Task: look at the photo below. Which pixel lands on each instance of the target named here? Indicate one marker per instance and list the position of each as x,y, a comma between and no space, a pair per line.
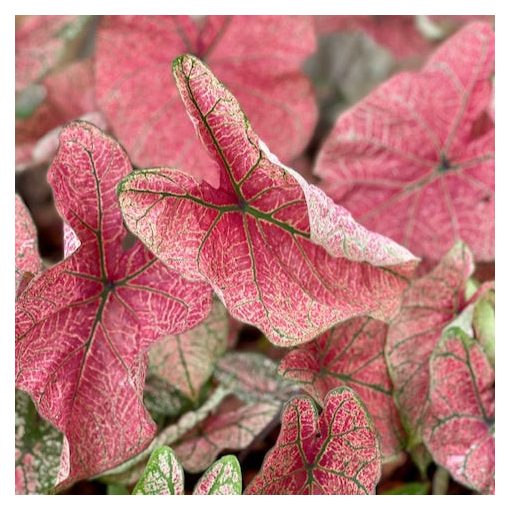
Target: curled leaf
459,427
83,326
277,251
410,160
334,453
429,305
162,476
222,478
258,57
350,354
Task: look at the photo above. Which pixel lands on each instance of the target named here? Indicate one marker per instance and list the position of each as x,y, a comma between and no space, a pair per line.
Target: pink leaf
28,260
187,360
41,44
258,57
334,453
351,354
459,428
276,250
409,161
232,426
83,326
69,95
430,304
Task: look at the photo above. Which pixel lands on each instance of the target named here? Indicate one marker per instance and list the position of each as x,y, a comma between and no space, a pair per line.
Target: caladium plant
259,57
334,453
164,476
350,354
430,304
411,161
459,426
84,325
264,224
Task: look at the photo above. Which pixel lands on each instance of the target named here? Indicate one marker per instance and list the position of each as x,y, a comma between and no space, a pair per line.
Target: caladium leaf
459,427
334,453
350,354
234,425
253,377
276,250
259,57
42,43
38,447
222,478
28,260
84,325
484,323
162,476
69,94
405,160
187,360
429,305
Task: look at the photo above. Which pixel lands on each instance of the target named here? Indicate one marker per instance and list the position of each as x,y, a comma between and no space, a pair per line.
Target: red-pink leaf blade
459,428
335,453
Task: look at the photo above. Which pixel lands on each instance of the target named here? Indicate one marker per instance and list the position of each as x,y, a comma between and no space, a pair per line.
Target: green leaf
38,447
163,474
116,490
222,478
484,323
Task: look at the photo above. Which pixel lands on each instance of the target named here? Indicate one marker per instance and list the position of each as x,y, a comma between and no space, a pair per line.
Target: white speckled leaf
38,447
222,478
162,476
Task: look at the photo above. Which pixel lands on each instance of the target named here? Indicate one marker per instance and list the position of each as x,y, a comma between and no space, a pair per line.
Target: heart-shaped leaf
187,360
162,476
277,251
409,161
253,377
28,260
222,478
459,427
258,57
430,304
84,325
350,354
38,447
69,94
334,453
234,425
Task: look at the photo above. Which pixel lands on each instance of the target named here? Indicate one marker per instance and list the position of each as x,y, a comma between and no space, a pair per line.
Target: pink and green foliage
163,475
84,325
415,159
223,478
187,360
38,447
28,260
41,45
264,224
233,426
350,354
334,453
429,305
69,94
253,377
459,427
484,322
258,57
